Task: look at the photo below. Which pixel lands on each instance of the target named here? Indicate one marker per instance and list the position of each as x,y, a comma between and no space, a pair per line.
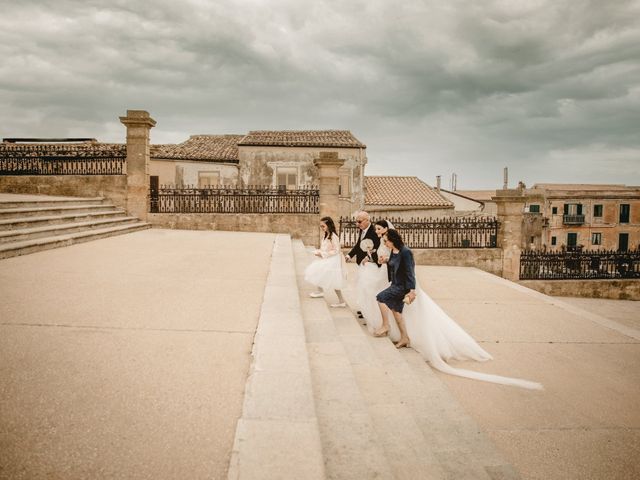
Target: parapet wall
487,259
613,289
302,226
112,187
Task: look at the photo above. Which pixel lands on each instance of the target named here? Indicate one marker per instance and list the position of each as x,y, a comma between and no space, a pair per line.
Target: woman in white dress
327,272
438,338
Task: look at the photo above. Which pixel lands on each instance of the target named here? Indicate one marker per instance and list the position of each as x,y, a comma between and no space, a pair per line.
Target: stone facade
111,187
193,173
260,165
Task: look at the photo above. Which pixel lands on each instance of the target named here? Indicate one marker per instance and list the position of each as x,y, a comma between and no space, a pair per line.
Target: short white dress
328,272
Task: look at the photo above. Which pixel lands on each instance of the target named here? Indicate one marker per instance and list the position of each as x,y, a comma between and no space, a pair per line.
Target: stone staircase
364,408
30,224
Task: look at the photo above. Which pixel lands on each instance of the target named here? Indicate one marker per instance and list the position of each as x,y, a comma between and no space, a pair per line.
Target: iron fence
227,199
464,232
63,165
602,264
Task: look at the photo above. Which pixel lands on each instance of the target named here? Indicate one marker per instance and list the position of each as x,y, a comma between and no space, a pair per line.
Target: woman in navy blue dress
401,271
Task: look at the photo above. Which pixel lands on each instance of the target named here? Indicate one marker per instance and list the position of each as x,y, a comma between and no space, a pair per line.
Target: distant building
586,215
485,197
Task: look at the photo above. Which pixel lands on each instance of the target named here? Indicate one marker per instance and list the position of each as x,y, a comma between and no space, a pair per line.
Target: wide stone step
277,435
366,431
14,249
8,213
49,202
18,235
33,222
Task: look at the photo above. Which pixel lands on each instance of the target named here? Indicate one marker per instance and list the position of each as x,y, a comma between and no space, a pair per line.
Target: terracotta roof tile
201,147
402,191
302,138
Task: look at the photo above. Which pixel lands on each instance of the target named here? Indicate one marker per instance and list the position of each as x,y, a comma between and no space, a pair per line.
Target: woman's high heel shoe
402,344
381,333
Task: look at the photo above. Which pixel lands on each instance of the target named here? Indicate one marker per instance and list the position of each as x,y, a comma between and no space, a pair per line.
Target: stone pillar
510,205
138,123
329,182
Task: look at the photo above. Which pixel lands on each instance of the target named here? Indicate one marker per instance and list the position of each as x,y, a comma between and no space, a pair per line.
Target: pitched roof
402,191
222,148
60,148
302,138
478,195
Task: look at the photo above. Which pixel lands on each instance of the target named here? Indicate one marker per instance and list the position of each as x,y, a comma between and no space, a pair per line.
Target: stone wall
487,259
112,187
613,289
302,226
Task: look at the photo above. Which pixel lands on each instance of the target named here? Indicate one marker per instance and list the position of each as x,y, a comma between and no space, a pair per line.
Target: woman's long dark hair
331,227
383,223
394,237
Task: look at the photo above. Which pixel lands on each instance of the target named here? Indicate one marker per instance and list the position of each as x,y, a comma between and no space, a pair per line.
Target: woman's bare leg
384,329
404,338
340,297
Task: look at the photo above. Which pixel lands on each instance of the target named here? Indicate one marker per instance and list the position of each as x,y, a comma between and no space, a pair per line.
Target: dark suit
357,252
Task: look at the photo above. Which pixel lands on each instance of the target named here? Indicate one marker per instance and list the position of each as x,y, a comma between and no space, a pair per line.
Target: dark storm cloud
549,88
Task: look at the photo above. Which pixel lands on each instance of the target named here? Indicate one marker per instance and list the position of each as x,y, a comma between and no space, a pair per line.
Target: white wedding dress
432,333
438,338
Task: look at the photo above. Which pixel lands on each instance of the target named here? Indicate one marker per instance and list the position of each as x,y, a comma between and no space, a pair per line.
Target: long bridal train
433,334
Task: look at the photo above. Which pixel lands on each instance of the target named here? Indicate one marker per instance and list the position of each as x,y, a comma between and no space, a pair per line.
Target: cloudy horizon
550,89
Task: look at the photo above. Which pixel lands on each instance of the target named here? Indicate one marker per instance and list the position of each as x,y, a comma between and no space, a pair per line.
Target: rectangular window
573,209
572,239
534,208
208,179
596,239
625,209
554,241
623,242
554,210
597,210
287,178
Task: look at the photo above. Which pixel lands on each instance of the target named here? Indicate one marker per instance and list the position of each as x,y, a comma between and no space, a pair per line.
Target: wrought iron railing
225,199
573,219
464,232
536,265
63,165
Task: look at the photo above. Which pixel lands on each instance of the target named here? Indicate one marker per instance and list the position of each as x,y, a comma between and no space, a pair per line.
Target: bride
430,331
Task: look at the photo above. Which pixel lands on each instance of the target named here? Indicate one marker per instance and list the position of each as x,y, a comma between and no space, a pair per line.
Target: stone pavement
586,423
127,357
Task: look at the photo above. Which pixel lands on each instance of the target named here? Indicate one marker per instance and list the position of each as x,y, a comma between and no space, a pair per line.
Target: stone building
404,198
591,216
485,197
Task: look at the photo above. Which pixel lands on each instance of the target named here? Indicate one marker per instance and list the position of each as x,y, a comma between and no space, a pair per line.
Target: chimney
506,178
438,182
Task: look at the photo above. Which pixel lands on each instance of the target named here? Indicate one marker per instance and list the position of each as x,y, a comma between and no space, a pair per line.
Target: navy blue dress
401,270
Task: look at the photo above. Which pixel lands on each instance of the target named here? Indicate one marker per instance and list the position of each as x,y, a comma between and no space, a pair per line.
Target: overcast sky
550,89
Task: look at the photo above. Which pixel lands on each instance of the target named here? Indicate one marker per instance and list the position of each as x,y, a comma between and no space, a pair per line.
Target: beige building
485,197
404,198
591,216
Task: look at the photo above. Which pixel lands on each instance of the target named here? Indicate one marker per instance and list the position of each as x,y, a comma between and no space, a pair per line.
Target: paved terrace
127,358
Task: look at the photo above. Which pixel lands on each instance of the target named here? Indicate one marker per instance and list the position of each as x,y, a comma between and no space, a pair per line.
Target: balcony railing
573,219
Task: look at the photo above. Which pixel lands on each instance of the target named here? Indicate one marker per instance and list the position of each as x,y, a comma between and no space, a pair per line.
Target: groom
366,231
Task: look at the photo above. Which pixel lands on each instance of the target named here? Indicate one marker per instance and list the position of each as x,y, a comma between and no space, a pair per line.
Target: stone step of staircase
416,425
23,234
22,212
33,222
31,202
14,249
277,435
365,430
